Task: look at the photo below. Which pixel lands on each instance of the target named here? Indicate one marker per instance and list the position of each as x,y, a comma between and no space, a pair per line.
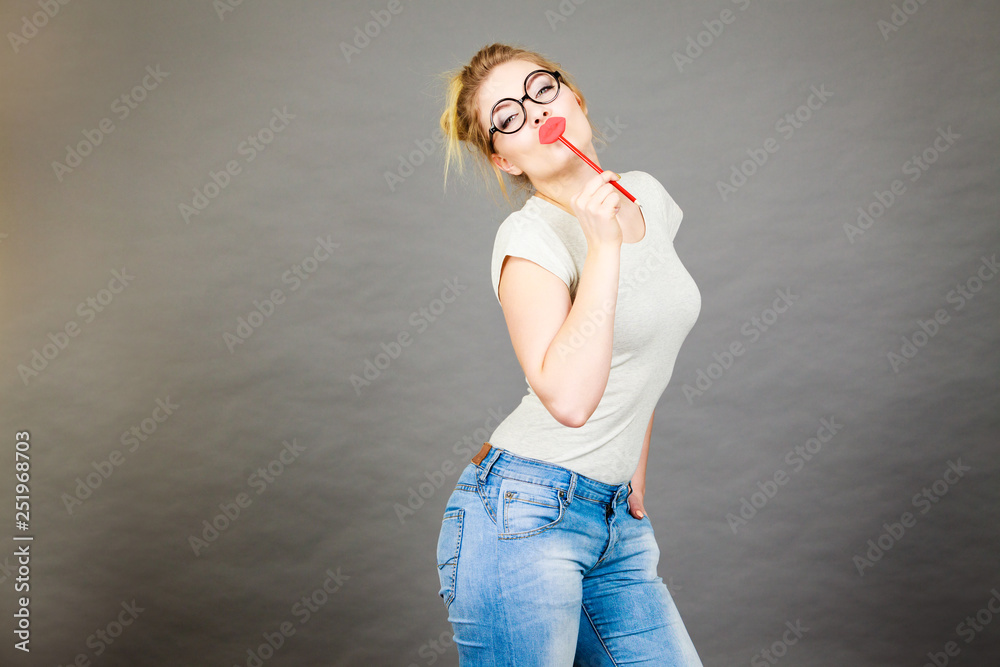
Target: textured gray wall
273,422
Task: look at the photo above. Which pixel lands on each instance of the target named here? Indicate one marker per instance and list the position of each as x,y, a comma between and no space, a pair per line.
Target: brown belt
478,458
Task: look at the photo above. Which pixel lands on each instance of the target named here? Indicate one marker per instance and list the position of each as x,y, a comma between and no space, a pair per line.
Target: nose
537,116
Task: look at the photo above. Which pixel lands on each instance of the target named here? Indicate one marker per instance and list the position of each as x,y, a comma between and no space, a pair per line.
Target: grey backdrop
343,486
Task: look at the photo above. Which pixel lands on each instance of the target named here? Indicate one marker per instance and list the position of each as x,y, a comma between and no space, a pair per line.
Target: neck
551,200
565,185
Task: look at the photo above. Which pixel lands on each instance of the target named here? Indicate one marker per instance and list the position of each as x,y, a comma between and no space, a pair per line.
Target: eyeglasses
507,116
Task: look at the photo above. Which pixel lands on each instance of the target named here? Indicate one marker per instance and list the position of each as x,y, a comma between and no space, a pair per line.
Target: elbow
570,408
574,421
573,416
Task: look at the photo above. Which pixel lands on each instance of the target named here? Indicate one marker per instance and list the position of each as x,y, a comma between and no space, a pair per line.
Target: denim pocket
526,509
448,547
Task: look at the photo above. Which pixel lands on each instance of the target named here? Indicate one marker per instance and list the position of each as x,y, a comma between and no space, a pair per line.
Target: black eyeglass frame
520,102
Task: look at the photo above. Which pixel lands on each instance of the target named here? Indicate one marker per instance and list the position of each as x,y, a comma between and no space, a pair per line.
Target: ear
505,164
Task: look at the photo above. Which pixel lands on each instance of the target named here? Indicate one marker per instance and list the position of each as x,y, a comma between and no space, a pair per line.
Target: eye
506,121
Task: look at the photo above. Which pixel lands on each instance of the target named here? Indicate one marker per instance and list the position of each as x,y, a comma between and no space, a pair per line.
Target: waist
526,469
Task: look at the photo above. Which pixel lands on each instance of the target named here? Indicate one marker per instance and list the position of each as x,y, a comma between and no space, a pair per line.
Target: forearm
576,366
639,477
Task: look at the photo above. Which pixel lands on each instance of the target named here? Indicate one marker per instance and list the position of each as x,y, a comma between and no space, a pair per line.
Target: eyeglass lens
508,115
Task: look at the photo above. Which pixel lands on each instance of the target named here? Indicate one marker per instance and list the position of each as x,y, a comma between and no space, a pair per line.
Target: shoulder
531,234
528,225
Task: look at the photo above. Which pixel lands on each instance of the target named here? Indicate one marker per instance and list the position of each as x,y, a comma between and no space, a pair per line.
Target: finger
614,198
638,511
595,183
605,197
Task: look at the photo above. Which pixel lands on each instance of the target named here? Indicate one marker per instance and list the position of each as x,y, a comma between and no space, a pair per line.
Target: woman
546,556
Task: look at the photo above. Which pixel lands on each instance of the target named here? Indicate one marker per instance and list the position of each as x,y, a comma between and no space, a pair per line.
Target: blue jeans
541,566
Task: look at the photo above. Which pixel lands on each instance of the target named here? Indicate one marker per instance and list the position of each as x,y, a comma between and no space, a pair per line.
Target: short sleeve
532,239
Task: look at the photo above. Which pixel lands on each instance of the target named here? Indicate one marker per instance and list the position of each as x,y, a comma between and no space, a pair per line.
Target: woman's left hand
635,506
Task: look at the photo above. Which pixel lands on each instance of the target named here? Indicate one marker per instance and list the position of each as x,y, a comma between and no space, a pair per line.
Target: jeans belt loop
572,487
487,463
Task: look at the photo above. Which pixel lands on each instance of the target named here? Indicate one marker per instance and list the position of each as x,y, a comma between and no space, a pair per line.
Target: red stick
553,129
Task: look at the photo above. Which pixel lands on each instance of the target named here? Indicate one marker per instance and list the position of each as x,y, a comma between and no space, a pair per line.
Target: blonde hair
460,120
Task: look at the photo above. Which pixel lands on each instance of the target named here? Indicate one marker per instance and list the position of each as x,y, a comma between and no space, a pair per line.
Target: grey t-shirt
658,304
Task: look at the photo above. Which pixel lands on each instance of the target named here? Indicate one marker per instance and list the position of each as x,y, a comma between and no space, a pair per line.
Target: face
522,152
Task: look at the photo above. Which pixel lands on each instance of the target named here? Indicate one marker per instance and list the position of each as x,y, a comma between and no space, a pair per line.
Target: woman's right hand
596,207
